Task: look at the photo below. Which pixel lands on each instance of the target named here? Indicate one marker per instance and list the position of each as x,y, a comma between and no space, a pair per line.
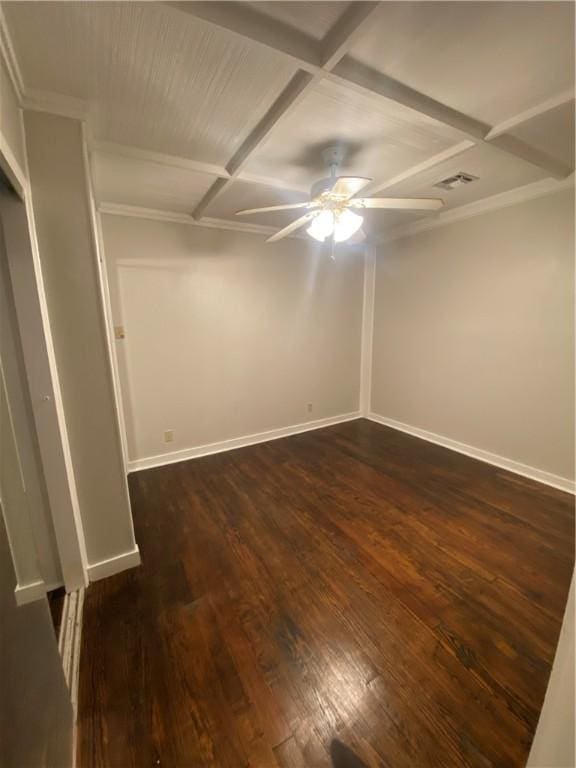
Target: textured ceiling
489,59
155,78
380,138
315,19
160,79
136,181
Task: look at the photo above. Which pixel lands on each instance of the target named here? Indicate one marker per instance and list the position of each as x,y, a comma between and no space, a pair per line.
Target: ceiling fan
333,211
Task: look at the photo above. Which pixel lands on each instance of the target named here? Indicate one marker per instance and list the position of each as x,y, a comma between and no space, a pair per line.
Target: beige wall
228,336
474,332
67,255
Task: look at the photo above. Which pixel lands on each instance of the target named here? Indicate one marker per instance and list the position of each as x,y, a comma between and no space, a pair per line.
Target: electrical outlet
309,407
168,436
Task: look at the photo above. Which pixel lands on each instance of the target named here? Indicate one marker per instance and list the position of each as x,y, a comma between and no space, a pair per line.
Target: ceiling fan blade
287,207
292,227
399,203
348,186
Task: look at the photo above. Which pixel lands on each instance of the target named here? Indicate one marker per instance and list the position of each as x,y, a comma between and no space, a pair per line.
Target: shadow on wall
343,757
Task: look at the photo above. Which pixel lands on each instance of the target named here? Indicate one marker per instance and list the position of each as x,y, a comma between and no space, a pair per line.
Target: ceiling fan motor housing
321,186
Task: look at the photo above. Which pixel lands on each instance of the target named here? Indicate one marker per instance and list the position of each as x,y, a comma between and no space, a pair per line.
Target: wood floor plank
345,598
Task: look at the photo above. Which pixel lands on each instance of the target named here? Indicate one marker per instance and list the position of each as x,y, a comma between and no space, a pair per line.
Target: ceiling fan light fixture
342,224
322,226
347,224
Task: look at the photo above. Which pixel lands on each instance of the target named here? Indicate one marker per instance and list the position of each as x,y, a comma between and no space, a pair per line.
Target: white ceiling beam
197,166
377,186
153,214
136,153
338,43
290,96
559,100
355,74
215,190
284,104
247,23
330,61
513,146
343,35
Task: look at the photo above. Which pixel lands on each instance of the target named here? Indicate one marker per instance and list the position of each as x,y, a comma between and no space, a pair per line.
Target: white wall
67,253
228,336
474,332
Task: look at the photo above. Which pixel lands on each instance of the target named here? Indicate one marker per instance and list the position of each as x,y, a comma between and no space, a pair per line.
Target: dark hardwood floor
348,597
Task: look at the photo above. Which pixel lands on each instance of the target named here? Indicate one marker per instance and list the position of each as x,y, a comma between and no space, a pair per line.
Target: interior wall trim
54,103
69,646
12,168
237,442
69,640
113,565
8,56
29,593
493,203
540,475
367,340
137,212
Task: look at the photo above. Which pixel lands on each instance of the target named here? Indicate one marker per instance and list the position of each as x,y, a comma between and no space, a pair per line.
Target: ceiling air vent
458,180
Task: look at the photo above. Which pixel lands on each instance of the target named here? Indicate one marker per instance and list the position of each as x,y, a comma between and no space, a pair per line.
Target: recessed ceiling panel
132,181
241,194
383,221
157,77
315,19
496,172
551,132
379,137
491,60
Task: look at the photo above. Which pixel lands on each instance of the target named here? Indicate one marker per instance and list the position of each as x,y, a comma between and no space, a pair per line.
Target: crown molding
137,212
189,164
477,208
56,104
35,99
160,158
493,203
8,56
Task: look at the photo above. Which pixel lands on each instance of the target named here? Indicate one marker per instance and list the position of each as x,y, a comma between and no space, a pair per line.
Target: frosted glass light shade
343,225
346,225
321,226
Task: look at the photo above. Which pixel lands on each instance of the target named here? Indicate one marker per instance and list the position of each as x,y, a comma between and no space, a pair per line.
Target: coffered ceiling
204,108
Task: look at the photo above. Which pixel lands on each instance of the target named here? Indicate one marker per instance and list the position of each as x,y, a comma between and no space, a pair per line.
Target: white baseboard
237,442
562,483
36,590
114,565
28,593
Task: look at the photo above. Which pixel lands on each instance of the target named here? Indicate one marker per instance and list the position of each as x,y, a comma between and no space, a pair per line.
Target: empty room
287,371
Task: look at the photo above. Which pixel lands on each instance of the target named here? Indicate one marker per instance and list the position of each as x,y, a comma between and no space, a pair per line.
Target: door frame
41,370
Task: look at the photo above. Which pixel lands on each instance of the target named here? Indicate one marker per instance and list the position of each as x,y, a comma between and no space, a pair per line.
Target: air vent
458,180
